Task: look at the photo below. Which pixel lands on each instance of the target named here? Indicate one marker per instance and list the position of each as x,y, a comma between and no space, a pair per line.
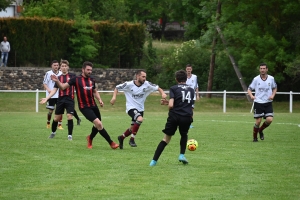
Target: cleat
261,135
120,142
70,137
114,145
52,135
48,126
89,142
60,127
183,159
78,122
153,163
191,126
132,143
255,140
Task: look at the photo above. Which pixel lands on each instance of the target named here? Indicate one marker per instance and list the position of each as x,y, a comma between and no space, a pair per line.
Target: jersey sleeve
152,87
46,78
171,93
252,85
123,86
72,81
274,85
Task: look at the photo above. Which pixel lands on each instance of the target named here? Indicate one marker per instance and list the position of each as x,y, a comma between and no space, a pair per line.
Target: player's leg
124,135
69,105
269,118
170,129
184,124
258,114
138,120
59,110
50,107
77,117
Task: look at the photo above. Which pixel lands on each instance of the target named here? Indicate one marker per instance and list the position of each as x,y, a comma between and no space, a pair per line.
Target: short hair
181,76
263,64
140,71
54,61
87,63
64,62
188,65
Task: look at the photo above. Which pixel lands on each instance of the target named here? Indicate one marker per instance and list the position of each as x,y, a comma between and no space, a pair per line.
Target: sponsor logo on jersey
87,88
137,96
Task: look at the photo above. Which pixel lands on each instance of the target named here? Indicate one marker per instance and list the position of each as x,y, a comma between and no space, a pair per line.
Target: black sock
76,115
161,146
105,135
54,126
93,133
70,126
183,141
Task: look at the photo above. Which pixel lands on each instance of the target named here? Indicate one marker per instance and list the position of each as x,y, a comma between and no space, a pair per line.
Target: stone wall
25,78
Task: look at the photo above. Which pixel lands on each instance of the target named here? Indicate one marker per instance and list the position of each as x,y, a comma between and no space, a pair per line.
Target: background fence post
291,101
224,101
37,101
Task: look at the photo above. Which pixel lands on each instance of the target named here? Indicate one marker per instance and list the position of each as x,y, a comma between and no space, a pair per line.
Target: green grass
227,164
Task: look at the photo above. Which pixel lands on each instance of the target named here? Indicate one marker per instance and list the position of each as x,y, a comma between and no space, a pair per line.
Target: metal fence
224,93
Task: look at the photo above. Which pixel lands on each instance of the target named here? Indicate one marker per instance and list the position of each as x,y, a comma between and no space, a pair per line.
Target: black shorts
91,113
134,114
51,103
65,102
175,121
263,110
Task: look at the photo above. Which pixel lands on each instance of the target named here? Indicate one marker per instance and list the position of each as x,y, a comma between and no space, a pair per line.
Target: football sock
76,115
126,133
132,136
70,126
54,126
105,135
161,146
265,125
60,120
183,141
49,117
93,133
255,130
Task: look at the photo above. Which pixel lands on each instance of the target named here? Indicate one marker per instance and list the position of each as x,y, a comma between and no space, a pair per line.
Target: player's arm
60,85
197,94
44,100
171,103
250,93
163,94
274,90
97,96
47,88
114,97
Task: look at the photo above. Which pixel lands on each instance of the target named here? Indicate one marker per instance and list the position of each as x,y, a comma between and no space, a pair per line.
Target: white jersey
50,83
193,83
263,88
136,95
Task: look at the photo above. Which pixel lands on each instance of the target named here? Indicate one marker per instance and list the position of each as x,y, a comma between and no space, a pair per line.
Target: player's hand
164,96
271,98
43,100
54,77
101,103
112,101
164,102
252,97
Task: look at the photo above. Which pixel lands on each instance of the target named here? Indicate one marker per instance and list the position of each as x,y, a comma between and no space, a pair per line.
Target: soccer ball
192,144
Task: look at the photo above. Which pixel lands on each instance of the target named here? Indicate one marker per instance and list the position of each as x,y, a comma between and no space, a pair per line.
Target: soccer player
265,89
136,92
65,100
48,86
192,81
180,116
86,93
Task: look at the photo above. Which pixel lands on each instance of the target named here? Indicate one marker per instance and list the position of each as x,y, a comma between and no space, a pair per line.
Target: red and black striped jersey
64,79
84,90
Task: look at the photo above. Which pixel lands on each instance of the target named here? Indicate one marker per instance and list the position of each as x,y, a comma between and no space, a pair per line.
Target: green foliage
82,45
4,4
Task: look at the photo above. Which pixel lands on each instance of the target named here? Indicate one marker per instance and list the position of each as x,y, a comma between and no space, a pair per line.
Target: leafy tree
4,4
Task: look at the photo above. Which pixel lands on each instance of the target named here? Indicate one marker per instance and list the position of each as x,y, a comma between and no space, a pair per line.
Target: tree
4,4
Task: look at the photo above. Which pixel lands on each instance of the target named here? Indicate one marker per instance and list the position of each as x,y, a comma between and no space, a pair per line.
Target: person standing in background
192,81
5,49
48,86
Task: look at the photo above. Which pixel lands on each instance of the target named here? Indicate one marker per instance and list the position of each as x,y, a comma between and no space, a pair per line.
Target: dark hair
54,61
140,71
64,62
188,65
87,63
181,76
263,64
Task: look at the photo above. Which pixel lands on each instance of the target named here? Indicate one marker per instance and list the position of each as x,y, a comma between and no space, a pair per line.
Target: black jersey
183,96
64,78
84,91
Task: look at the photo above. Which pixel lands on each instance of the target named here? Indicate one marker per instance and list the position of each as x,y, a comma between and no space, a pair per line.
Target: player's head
141,76
188,68
180,76
263,68
87,68
55,65
4,38
64,66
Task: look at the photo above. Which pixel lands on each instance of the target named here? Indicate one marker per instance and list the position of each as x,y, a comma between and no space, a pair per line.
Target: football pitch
226,165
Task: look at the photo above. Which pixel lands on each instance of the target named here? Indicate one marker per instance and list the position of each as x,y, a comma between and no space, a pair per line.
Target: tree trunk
235,67
213,55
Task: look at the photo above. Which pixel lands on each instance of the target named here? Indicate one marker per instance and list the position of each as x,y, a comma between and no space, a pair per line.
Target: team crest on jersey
269,84
144,89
